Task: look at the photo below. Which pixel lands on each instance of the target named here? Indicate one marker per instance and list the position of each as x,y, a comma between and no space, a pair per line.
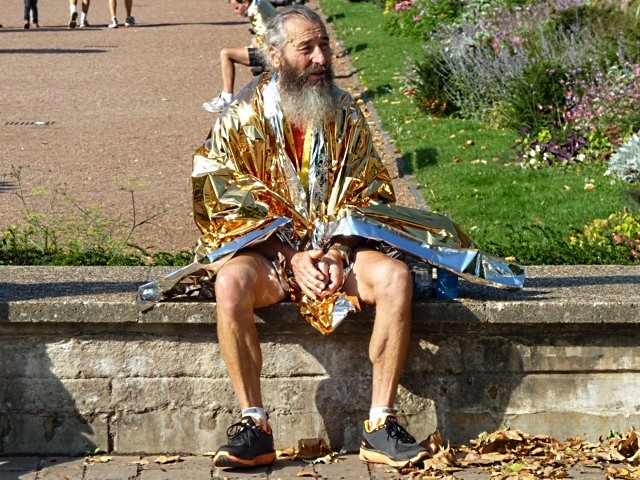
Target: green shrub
427,84
513,67
617,236
625,162
69,233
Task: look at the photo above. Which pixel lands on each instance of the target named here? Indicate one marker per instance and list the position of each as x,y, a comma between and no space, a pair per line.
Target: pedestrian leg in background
31,13
73,14
129,20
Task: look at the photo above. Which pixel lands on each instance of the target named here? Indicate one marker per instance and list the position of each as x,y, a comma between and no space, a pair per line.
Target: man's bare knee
396,283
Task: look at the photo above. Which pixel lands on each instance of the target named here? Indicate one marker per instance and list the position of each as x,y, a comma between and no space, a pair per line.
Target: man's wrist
346,253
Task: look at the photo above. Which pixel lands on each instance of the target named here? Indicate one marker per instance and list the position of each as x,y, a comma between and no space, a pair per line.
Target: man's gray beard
304,103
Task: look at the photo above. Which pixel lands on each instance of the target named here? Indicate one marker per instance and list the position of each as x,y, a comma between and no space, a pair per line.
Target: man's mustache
316,69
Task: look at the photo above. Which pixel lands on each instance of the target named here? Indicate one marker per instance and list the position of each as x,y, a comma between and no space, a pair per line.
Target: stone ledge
559,294
81,367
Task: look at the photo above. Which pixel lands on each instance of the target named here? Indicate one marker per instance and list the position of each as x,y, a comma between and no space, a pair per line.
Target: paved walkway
200,468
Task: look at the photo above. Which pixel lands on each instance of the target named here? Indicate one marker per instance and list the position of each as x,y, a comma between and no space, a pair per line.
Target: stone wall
81,368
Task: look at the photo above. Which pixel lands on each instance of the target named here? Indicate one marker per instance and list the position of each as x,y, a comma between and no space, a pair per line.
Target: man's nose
318,56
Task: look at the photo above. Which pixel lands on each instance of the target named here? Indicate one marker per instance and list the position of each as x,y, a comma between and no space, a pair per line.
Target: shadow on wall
38,412
453,380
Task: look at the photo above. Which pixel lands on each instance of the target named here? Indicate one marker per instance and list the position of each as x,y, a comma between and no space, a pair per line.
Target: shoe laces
397,432
240,427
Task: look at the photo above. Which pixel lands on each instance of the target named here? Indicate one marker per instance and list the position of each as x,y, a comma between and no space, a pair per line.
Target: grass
465,168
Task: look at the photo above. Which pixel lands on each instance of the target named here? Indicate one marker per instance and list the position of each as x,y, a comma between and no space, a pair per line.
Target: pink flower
617,238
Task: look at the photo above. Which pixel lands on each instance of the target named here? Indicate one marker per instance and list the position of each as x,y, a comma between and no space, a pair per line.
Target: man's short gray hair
276,34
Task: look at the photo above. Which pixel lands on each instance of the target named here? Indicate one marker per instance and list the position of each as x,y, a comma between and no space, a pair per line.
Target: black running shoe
391,444
72,20
250,445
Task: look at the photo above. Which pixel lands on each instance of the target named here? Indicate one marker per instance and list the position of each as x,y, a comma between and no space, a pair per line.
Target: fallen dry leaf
163,459
306,473
286,454
99,459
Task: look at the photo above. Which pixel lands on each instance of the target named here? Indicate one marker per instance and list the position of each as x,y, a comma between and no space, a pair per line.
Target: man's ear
274,57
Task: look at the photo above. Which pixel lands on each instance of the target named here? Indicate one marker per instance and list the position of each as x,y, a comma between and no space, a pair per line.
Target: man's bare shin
388,351
246,282
240,348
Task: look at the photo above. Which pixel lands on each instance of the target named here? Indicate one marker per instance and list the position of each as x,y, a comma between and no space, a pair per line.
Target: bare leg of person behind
229,56
249,281
73,13
130,21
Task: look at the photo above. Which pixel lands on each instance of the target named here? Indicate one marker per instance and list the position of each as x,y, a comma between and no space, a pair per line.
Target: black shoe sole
72,22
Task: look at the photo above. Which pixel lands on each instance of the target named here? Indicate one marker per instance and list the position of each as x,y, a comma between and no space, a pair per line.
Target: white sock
83,17
257,413
377,415
226,96
72,8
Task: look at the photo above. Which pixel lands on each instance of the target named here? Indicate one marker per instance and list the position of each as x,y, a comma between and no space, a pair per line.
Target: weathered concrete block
86,397
171,431
52,433
147,394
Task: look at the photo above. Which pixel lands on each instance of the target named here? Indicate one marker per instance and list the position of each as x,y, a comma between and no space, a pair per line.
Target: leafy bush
617,235
428,83
75,234
625,162
608,103
513,67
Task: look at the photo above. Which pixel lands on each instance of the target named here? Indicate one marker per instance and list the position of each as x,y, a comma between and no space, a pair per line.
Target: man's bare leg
387,283
246,282
228,58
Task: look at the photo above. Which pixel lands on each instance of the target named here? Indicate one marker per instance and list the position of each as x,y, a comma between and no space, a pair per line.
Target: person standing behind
129,20
31,13
259,13
73,13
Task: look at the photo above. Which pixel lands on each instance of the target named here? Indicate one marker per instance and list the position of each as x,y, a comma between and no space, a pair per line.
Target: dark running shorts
255,59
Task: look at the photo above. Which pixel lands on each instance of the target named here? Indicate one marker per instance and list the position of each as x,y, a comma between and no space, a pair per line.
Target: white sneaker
129,22
114,23
216,105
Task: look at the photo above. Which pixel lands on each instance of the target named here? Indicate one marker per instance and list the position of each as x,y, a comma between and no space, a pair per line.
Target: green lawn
467,169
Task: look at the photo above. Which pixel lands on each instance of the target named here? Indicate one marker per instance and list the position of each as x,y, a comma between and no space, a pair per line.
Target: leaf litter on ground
512,454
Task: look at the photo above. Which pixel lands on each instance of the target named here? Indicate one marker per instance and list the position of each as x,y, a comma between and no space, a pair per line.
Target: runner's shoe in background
216,105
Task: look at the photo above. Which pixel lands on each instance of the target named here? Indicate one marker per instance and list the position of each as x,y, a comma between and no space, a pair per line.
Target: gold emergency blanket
246,188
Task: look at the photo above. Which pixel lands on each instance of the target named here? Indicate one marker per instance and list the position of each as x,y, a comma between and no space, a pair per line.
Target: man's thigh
258,272
369,268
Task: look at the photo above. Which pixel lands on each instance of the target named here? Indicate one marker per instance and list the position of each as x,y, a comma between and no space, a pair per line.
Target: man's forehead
301,31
